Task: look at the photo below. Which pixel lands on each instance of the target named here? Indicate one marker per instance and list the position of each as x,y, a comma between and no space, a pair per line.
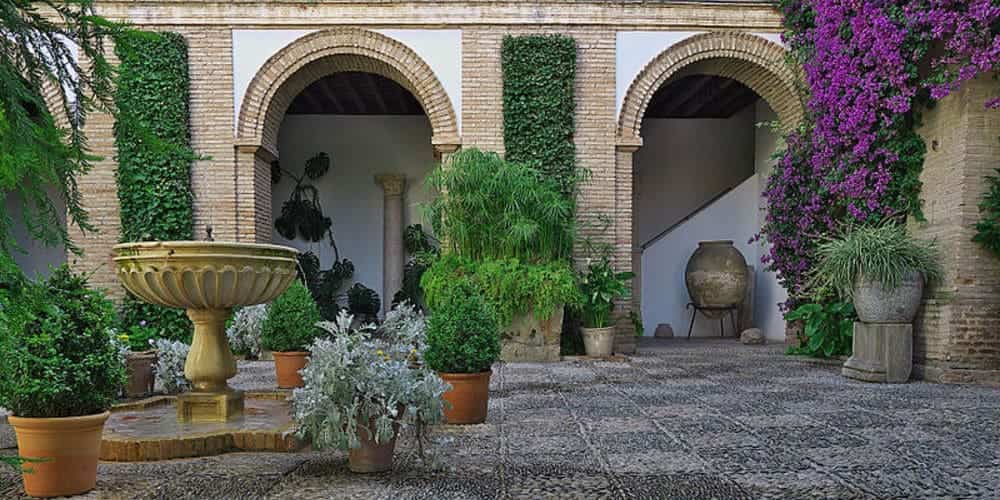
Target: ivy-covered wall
539,72
154,157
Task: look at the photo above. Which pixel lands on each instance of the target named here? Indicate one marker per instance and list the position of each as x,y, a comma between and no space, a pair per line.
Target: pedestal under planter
208,279
882,352
532,339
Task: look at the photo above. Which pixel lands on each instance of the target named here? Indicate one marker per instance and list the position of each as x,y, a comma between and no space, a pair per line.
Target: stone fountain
208,279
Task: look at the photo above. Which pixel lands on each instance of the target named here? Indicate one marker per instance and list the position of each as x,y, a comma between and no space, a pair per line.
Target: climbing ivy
988,227
538,105
154,156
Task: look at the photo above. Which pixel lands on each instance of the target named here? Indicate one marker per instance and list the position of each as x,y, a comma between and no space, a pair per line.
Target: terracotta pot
287,366
69,448
372,456
716,275
140,373
468,397
599,342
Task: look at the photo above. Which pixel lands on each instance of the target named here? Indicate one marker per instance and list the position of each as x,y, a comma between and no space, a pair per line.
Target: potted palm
59,374
288,330
882,269
363,387
463,341
600,286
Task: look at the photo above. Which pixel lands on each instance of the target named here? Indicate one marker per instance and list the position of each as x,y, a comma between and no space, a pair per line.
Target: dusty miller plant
171,355
244,331
355,382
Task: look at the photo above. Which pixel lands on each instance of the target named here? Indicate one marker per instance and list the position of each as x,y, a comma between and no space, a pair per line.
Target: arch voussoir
337,50
753,61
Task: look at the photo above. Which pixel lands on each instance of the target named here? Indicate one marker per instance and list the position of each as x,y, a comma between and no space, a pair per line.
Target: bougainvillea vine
857,158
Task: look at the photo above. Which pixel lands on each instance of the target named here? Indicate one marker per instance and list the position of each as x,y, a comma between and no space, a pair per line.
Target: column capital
392,184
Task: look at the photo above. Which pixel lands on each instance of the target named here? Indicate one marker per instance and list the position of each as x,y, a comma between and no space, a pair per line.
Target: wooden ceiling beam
326,86
355,96
670,108
719,91
377,93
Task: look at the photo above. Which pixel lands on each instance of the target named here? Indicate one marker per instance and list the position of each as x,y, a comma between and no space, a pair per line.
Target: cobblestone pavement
697,419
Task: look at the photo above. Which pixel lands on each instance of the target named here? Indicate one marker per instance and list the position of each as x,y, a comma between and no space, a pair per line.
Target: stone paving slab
681,419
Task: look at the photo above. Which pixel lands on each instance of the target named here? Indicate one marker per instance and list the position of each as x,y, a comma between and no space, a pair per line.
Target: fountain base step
201,407
149,430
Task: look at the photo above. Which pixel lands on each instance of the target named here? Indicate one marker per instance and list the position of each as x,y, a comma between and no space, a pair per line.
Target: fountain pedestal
208,279
209,365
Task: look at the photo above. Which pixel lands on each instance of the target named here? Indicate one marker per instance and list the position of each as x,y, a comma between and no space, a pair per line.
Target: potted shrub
882,269
59,374
510,228
140,359
288,330
360,391
600,287
463,342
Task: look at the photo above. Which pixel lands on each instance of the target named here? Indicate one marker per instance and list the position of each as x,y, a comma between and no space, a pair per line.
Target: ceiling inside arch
355,93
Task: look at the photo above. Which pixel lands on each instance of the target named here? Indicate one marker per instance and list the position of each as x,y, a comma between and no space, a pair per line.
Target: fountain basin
207,279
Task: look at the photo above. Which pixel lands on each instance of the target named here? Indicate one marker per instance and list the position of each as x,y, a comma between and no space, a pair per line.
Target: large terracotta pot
68,448
372,456
468,397
716,275
287,366
599,342
875,303
140,373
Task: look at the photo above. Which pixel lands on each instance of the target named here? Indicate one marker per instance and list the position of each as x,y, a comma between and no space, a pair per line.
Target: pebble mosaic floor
697,420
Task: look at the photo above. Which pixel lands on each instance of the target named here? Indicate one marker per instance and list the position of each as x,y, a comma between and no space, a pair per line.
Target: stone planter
140,374
882,352
599,342
716,276
68,449
531,339
875,303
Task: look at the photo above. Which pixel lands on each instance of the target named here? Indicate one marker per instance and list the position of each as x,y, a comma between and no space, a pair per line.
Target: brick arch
323,53
753,61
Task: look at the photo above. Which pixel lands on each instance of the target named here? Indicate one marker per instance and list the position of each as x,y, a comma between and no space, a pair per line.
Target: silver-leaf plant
244,332
170,358
357,382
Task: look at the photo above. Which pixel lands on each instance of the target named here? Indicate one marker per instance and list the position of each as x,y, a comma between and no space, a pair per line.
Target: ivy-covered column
392,236
152,137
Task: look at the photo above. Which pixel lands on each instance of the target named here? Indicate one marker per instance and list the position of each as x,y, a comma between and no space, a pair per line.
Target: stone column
392,236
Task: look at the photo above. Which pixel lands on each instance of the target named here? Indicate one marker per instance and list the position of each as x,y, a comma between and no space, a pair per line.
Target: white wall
768,292
36,258
736,216
684,163
664,294
359,147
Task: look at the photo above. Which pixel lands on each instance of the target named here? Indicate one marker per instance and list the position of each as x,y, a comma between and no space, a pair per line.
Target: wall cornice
621,15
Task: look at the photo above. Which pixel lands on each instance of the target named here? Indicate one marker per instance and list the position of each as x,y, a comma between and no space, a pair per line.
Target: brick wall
956,336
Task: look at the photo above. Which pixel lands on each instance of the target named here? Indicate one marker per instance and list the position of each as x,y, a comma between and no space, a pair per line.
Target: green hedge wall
154,156
539,72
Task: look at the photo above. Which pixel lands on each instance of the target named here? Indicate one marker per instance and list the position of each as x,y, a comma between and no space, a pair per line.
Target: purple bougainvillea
857,158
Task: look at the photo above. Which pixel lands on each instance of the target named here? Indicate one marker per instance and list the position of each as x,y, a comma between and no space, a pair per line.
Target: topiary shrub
291,320
56,354
462,334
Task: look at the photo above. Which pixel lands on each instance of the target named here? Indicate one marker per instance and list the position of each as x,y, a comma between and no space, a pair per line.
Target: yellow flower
123,338
379,352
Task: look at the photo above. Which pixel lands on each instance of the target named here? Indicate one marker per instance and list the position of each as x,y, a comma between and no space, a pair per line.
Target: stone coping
147,430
